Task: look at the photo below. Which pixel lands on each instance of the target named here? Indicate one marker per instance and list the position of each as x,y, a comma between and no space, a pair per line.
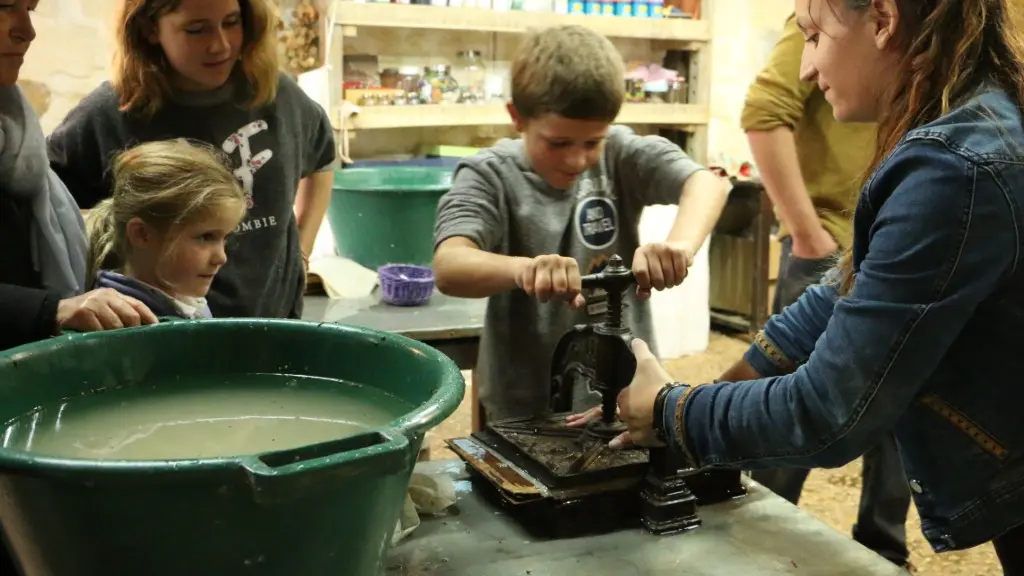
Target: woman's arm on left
941,243
311,200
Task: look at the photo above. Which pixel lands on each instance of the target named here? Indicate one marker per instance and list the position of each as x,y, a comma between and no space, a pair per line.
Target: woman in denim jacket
917,331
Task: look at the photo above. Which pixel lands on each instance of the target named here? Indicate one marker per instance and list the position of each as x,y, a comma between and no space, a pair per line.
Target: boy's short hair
570,71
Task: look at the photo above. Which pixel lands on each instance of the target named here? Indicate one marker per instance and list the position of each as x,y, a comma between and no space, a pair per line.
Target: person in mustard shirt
812,167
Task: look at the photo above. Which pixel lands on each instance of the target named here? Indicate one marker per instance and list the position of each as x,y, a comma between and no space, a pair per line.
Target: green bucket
385,215
326,508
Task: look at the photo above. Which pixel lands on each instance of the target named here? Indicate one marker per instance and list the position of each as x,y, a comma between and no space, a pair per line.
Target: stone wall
72,51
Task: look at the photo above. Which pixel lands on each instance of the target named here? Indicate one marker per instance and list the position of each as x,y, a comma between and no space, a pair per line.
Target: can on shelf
592,7
623,8
577,7
655,9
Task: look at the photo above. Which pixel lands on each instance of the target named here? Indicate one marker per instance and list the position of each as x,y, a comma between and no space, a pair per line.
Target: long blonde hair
140,72
949,49
164,183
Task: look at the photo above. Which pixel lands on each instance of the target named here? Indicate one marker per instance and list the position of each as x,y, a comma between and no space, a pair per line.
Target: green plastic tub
385,215
324,509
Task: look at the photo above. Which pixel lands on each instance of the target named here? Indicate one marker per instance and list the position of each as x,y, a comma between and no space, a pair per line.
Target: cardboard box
732,268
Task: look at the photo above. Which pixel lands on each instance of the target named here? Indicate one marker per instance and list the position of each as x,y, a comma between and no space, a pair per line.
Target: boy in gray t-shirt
527,217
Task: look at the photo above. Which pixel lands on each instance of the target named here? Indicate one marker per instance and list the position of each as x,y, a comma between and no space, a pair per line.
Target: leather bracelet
659,410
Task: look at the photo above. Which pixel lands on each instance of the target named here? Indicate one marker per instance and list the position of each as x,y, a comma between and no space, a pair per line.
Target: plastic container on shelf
641,9
655,9
577,7
593,8
608,7
623,8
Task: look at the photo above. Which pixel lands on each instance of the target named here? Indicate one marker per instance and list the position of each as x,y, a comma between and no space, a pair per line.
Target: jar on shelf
389,78
439,86
677,92
409,78
634,90
470,74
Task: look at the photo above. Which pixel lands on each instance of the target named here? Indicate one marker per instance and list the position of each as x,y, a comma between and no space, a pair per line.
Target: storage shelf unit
347,17
516,21
427,115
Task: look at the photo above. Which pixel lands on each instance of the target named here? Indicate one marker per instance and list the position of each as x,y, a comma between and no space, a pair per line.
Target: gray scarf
59,247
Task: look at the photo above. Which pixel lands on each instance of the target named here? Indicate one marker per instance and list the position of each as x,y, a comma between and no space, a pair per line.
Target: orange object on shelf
691,7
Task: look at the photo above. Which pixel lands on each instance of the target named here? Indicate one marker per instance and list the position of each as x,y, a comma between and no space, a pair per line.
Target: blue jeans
885,494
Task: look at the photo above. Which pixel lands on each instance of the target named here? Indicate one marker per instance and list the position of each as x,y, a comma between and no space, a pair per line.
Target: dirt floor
831,495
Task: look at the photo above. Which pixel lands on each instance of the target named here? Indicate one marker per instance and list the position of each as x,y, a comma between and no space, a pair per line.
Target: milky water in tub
241,414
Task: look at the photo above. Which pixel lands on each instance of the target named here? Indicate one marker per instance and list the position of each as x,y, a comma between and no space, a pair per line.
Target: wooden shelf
356,14
430,115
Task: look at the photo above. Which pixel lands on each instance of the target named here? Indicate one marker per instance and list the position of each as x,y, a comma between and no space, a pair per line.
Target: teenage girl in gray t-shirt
207,71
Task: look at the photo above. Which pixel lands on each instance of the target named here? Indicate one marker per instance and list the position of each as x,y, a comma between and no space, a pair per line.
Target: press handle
614,278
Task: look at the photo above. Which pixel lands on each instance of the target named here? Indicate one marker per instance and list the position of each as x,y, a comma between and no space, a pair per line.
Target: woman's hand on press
636,401
659,266
551,277
102,309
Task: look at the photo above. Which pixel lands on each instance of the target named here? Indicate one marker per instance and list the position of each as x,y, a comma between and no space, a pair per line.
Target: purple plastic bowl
405,284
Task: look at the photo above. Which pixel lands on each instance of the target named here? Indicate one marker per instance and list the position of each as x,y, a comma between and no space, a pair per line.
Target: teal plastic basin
385,215
328,508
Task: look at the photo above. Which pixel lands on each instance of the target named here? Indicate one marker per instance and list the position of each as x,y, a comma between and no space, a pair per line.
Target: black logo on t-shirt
596,222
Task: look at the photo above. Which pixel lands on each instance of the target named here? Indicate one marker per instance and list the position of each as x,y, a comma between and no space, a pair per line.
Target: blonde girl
160,238
206,70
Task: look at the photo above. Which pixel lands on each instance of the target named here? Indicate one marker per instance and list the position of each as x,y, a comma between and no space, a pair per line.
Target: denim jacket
927,346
